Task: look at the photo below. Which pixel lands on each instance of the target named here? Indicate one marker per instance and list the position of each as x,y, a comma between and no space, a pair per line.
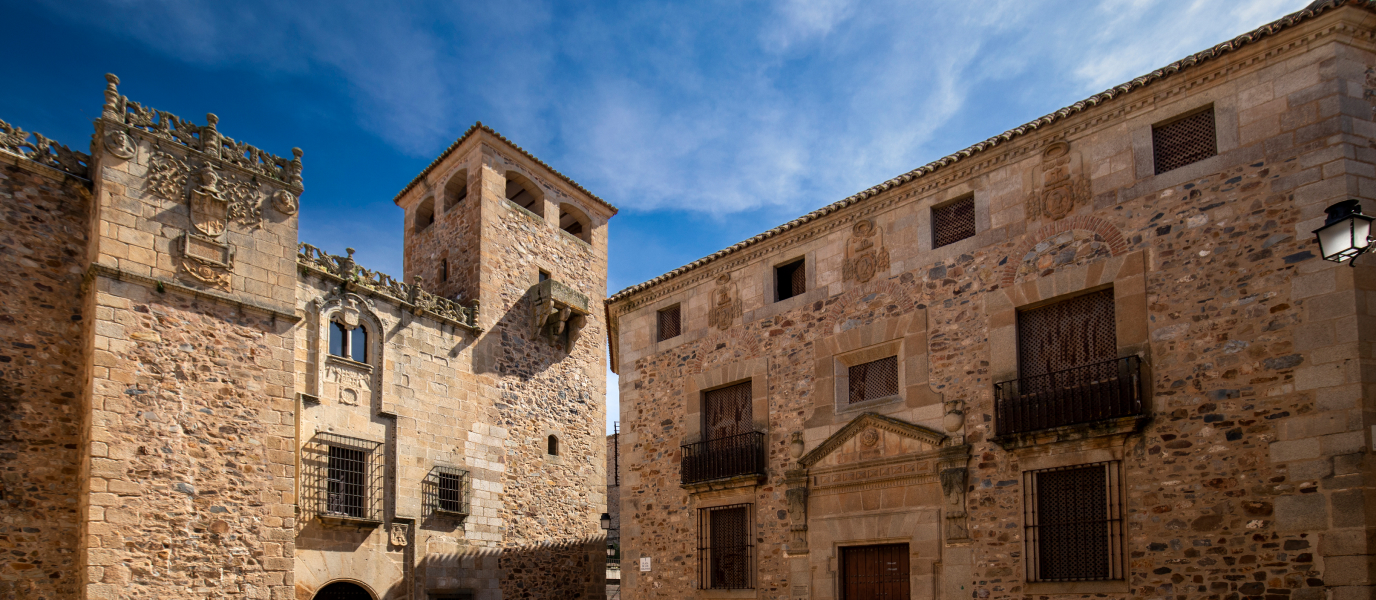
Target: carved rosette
726,304
1059,184
866,255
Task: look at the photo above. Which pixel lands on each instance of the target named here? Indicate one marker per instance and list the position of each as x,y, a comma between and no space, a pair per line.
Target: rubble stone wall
1249,477
43,238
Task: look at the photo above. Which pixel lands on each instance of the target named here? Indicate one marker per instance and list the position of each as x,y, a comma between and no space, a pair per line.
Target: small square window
670,322
953,221
791,279
544,276
873,380
1184,141
344,474
448,490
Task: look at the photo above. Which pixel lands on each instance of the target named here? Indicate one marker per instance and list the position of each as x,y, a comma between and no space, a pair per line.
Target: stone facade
1245,470
180,424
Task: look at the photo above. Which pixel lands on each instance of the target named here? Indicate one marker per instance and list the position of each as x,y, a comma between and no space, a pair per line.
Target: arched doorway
343,590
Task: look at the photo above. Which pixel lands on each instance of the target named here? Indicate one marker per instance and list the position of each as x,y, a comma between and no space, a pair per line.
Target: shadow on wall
565,570
512,347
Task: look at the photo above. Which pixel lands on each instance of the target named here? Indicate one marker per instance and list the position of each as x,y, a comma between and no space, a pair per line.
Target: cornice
1112,105
877,421
117,274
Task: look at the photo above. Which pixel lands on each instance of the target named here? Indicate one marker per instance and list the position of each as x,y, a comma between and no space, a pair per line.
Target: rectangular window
1183,141
447,490
1074,523
725,552
1058,344
874,379
726,412
345,476
670,322
544,276
953,221
791,279
874,572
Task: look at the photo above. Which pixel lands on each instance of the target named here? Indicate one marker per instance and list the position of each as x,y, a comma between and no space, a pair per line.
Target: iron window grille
670,322
873,380
1183,141
953,221
345,475
726,556
1074,524
791,279
448,491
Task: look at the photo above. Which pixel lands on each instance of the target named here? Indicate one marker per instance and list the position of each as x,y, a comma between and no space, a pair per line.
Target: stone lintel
727,483
1121,426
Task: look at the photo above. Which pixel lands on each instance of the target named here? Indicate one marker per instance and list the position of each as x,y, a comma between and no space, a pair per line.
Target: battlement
44,151
205,139
345,270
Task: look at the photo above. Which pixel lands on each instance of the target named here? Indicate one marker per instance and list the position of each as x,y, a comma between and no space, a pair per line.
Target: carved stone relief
796,495
1059,183
118,144
350,381
726,304
342,380
284,202
557,309
399,533
953,488
866,255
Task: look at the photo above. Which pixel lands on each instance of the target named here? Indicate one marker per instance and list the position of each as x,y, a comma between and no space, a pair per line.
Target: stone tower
187,462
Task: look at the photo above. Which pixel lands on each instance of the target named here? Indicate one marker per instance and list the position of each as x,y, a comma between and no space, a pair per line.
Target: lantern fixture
606,522
1346,234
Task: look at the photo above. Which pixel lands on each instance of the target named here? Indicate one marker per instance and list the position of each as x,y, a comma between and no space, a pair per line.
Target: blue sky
704,121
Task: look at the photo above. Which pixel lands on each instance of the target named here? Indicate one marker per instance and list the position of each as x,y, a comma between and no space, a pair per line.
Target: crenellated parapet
349,272
205,139
44,151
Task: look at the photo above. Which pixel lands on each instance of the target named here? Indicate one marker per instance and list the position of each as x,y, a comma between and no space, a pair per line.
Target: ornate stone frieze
214,199
1059,183
557,309
351,273
346,381
206,259
44,151
726,303
205,139
866,255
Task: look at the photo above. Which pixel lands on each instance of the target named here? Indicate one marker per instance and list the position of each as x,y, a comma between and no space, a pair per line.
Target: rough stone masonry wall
1250,479
43,236
453,239
551,504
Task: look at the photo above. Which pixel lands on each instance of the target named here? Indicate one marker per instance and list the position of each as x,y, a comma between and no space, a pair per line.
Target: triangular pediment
873,436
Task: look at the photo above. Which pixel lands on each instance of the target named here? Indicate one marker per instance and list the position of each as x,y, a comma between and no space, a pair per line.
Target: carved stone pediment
873,437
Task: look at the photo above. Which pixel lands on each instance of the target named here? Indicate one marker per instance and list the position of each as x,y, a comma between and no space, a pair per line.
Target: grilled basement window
1186,140
791,279
670,322
349,343
345,475
1073,522
725,554
873,380
448,490
953,221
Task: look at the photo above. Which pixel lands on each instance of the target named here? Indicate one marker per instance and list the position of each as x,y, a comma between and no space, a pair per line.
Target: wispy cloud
713,107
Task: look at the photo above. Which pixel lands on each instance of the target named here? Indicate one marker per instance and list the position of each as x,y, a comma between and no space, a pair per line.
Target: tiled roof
477,126
1188,62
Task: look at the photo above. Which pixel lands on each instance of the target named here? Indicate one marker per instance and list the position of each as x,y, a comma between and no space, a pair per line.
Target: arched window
456,189
553,446
524,193
350,344
425,214
575,223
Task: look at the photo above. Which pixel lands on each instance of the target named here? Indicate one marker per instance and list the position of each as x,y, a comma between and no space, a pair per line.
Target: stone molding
362,379
44,151
114,273
631,298
1108,231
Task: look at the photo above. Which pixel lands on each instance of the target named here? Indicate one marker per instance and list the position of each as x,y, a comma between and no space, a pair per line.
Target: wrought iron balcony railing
1094,392
724,457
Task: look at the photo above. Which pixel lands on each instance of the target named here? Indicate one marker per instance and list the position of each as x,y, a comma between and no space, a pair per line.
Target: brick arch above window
1108,233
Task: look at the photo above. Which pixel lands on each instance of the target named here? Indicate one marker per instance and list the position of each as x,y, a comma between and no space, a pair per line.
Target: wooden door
875,572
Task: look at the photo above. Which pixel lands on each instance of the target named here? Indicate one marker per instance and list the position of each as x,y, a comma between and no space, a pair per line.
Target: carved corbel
557,311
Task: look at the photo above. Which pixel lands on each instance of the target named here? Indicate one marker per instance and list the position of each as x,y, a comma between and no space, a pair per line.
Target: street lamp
606,522
1346,234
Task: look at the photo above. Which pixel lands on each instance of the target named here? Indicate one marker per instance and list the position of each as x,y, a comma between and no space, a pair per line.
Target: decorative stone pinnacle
112,109
112,78
212,119
350,251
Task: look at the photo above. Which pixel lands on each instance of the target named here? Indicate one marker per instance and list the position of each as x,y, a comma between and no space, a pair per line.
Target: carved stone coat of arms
1059,183
866,255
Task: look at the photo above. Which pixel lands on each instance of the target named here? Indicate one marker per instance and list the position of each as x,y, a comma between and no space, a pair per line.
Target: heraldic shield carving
1059,184
866,255
726,305
209,208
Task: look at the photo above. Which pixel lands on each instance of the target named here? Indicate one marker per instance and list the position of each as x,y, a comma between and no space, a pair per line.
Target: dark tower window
553,443
425,214
456,190
444,269
574,222
791,279
523,193
670,322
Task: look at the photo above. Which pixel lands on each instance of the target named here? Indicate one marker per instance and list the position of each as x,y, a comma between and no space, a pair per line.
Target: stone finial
294,168
112,109
795,445
210,137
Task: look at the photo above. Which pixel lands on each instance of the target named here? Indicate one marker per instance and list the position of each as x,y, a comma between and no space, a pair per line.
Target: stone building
197,406
1096,355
